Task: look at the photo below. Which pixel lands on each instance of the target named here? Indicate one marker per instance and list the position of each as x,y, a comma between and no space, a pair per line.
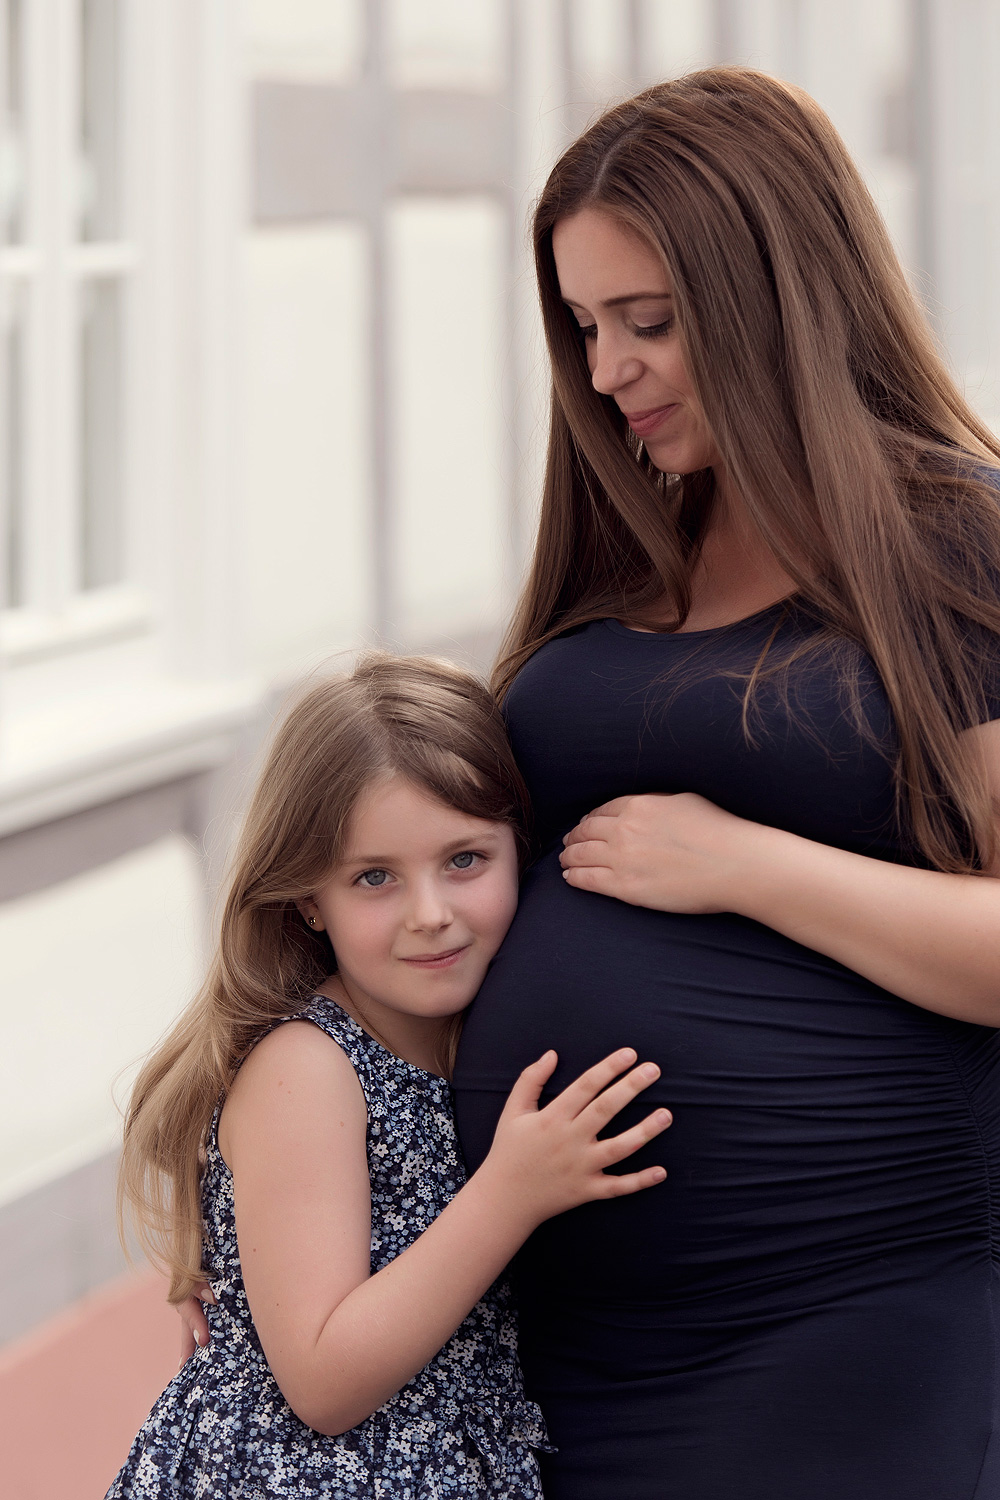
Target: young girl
292,1139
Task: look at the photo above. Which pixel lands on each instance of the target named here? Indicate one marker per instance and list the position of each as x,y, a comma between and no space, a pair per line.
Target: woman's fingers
594,878
188,1346
585,852
596,825
194,1324
619,1146
583,1090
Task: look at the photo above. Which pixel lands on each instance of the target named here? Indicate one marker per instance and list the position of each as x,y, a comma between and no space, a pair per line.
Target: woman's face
617,289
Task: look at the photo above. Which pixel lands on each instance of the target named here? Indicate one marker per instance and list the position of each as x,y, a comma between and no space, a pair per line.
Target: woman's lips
643,423
436,960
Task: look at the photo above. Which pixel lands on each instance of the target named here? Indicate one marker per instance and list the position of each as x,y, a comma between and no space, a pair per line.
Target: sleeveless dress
806,1309
461,1428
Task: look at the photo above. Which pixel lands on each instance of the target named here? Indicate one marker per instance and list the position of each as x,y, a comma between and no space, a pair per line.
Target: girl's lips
436,960
643,423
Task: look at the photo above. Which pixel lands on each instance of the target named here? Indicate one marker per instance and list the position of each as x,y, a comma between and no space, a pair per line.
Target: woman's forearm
931,938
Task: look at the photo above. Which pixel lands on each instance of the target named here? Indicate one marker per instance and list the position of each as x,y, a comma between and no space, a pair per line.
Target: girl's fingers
619,1146
529,1084
633,1182
582,1091
614,1098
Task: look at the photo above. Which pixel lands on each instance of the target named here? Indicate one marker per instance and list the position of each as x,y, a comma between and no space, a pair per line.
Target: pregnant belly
818,1120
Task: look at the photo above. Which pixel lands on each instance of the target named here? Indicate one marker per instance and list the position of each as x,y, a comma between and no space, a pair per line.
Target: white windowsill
110,614
70,756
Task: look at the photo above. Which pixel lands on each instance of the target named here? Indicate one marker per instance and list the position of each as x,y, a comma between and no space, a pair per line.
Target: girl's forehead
394,813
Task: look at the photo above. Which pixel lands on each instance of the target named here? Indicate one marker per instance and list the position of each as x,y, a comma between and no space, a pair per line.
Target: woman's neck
735,574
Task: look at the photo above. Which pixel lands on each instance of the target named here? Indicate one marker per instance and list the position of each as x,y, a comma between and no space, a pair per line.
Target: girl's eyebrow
449,848
628,297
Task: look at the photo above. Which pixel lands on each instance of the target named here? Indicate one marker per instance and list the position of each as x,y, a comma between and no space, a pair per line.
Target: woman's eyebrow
628,297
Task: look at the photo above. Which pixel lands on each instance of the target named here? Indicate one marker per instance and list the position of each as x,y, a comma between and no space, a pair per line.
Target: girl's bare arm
931,938
340,1341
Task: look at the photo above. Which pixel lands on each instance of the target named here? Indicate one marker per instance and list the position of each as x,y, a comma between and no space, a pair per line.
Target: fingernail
650,1070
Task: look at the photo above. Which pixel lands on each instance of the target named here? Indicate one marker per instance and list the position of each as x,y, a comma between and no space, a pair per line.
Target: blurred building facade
271,388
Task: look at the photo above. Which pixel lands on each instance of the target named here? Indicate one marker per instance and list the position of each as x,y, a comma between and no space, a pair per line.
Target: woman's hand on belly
930,937
671,853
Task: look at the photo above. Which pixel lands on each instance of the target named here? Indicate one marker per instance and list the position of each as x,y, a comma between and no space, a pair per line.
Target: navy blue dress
807,1308
459,1429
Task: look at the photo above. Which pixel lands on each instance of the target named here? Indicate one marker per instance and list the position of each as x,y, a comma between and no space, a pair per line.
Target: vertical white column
52,526
958,53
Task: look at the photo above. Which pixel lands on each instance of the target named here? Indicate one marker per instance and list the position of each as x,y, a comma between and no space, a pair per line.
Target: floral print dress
460,1428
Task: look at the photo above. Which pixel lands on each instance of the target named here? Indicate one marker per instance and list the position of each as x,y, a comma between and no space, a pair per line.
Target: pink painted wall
74,1392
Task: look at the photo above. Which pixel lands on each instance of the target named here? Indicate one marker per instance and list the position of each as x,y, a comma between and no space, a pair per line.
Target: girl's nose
429,909
611,366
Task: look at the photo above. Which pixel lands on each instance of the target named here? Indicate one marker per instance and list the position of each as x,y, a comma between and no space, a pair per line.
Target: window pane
447,45
12,504
100,119
12,121
100,434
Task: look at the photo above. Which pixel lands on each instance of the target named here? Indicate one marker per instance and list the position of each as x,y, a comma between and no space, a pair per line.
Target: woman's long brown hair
415,717
836,420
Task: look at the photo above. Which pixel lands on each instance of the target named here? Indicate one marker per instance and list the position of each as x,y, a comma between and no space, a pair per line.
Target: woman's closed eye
640,330
653,330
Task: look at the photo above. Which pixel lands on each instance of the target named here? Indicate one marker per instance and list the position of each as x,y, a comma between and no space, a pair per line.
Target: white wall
307,495
446,316
94,970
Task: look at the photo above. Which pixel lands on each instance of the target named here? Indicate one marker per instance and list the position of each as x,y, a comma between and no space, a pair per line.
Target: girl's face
418,906
618,291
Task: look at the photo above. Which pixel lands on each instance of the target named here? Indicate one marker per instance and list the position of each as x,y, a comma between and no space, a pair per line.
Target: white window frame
114,688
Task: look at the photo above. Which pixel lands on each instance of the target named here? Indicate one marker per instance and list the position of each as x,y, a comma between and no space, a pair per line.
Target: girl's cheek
501,911
363,934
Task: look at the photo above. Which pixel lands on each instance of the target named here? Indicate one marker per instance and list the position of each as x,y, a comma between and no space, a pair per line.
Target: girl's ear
309,912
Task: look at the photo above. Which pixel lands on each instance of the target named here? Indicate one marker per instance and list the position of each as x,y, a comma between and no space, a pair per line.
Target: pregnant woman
754,686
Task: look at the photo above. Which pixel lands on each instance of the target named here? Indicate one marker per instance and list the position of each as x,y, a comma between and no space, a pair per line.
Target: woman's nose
611,366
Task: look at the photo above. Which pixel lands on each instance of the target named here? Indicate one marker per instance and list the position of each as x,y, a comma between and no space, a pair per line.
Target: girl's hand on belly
545,1161
676,853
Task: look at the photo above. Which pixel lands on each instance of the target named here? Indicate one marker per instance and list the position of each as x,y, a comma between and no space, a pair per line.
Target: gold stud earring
311,921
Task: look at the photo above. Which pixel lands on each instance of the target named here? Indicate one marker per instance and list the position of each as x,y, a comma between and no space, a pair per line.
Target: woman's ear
309,912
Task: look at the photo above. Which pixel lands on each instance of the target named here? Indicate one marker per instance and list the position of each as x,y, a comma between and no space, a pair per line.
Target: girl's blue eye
375,878
465,860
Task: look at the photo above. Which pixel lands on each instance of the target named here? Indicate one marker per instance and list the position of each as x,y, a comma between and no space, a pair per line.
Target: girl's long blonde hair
414,717
834,415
